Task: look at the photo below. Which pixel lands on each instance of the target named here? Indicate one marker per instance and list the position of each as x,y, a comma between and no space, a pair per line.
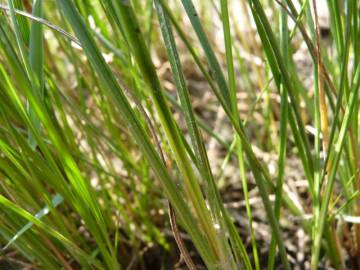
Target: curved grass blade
84,258
57,199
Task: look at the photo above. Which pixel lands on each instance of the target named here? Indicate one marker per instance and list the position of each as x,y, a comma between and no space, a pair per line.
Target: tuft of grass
96,131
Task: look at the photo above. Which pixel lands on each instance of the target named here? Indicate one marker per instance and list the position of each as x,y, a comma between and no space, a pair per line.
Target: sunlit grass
92,142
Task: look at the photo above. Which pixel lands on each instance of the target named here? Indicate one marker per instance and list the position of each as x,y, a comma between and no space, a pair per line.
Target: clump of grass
91,143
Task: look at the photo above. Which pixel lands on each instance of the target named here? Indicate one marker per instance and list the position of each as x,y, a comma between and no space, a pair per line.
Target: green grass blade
283,133
215,68
5,203
36,56
234,109
19,38
57,199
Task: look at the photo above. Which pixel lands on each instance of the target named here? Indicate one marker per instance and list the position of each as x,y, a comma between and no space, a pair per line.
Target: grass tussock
131,130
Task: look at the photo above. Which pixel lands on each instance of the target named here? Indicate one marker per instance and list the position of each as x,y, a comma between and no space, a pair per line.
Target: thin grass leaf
233,99
57,199
283,133
215,68
36,56
86,260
